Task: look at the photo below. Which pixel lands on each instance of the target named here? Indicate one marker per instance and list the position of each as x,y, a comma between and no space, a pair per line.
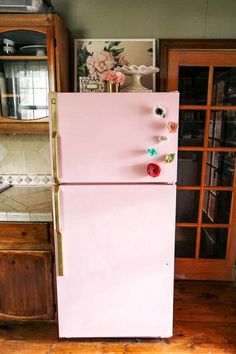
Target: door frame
166,45
204,269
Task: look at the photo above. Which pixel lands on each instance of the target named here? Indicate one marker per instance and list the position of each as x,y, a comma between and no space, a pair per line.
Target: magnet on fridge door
153,170
172,127
169,158
162,139
152,152
160,111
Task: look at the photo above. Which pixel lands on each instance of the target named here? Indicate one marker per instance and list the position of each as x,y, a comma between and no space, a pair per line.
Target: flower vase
113,87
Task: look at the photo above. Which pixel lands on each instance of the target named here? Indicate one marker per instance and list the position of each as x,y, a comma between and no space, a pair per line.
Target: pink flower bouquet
113,77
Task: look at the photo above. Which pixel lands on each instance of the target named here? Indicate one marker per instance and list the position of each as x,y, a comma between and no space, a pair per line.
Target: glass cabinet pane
222,129
191,128
185,242
187,206
189,168
22,42
216,208
224,87
220,168
24,88
213,243
193,84
24,83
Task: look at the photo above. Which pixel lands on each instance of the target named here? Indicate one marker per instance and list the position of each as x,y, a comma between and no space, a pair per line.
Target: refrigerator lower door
118,260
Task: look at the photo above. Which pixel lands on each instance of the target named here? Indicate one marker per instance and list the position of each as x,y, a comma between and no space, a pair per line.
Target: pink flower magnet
153,170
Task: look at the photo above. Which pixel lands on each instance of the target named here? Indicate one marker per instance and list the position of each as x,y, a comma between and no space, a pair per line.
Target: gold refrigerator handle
54,148
58,231
54,136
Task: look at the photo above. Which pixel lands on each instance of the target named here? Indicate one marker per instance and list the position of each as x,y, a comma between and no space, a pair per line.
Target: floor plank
204,322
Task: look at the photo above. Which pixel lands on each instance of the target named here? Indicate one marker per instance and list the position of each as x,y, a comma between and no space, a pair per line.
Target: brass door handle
54,137
58,231
54,158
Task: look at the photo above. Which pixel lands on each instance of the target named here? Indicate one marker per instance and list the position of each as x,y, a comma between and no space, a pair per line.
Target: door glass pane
24,89
23,75
220,168
224,87
222,129
187,206
213,243
22,42
189,168
216,208
185,242
191,128
193,83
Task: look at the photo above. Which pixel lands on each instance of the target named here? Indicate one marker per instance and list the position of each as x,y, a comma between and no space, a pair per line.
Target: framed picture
91,84
95,56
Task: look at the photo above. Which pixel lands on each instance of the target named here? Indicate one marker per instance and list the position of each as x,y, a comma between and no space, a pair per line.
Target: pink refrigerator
114,159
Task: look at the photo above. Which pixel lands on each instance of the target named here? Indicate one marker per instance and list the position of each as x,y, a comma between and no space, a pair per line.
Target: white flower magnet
160,111
162,139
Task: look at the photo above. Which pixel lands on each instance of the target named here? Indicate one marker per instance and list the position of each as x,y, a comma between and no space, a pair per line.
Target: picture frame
89,84
92,57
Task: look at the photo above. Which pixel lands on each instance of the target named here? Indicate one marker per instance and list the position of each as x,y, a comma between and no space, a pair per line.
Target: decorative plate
34,49
137,70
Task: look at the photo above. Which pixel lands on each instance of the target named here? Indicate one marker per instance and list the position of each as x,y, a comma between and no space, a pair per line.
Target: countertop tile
3,216
18,216
20,203
41,217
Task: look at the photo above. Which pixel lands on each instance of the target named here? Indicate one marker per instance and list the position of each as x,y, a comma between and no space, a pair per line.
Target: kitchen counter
27,204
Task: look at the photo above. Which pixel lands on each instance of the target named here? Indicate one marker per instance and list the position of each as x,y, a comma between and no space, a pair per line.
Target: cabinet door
33,61
24,83
206,192
26,285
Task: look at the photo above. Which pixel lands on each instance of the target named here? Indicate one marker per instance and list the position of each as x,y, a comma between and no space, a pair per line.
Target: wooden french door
206,192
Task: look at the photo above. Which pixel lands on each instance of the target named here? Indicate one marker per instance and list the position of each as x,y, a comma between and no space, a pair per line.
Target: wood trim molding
165,45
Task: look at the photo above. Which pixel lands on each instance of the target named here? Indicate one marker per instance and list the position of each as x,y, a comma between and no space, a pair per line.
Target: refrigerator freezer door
118,256
114,137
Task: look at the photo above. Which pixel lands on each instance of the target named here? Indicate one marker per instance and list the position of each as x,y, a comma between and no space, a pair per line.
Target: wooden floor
204,322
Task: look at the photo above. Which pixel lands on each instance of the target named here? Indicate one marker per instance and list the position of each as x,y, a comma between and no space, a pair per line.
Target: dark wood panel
13,234
62,64
26,20
26,285
22,127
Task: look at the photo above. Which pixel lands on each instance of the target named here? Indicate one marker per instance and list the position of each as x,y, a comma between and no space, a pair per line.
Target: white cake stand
136,72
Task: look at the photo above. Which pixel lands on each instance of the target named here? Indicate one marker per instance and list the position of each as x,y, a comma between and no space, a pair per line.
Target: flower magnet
162,139
169,158
160,112
172,127
153,170
152,152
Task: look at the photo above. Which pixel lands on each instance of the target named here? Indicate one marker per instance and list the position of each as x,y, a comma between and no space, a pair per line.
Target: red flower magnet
153,170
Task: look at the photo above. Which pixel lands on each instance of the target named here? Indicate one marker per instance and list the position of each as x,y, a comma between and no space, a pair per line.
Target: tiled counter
27,204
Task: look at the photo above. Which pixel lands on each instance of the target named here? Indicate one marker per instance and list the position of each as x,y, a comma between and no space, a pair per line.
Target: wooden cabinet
33,61
26,272
204,72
